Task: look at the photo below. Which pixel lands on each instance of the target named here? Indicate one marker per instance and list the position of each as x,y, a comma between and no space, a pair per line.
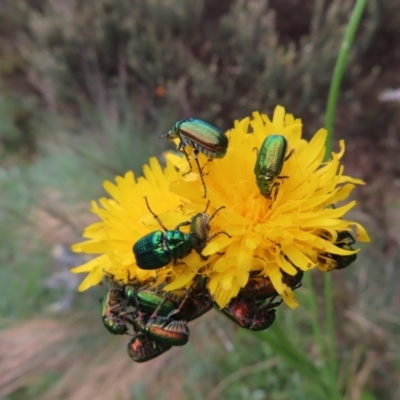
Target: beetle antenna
154,215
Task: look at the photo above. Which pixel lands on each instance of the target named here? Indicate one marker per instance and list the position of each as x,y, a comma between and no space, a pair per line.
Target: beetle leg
204,258
273,305
185,223
297,286
289,155
181,305
213,215
219,233
208,203
275,189
109,275
125,317
176,262
213,236
208,160
182,149
158,308
154,215
195,152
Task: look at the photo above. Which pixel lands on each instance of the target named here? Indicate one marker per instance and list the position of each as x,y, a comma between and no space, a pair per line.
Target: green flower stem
330,326
315,324
330,115
327,374
339,70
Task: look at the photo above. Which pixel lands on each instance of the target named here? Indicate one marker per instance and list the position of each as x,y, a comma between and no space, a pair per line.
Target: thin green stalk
326,370
330,327
329,119
315,325
317,333
339,70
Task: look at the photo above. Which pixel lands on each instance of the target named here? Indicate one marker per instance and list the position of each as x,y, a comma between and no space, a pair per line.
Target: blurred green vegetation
216,60
85,90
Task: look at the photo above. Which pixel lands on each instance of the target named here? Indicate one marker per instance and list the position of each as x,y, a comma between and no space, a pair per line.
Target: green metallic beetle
150,317
159,319
159,328
162,330
150,314
261,288
144,300
203,137
147,315
111,309
196,302
200,228
170,329
344,240
250,314
158,248
142,348
269,164
148,300
247,309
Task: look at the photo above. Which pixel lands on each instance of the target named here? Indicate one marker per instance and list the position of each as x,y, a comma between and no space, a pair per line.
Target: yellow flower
295,229
123,222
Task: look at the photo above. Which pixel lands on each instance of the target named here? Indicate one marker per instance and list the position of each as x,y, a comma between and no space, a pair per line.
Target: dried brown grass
88,365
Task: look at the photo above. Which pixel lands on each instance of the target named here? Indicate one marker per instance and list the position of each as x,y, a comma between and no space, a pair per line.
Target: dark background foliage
86,89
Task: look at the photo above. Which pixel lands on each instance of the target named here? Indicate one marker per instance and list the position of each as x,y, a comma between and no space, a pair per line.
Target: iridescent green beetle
261,288
344,240
112,310
141,295
142,348
247,308
250,314
148,300
269,164
200,228
150,315
147,317
203,137
158,248
162,329
192,305
196,302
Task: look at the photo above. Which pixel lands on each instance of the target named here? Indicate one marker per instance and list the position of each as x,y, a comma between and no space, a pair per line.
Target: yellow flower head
295,229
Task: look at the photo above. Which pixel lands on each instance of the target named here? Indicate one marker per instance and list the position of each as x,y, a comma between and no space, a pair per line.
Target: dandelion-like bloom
294,229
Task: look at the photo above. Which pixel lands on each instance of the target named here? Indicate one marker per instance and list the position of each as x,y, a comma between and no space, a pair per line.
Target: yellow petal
182,280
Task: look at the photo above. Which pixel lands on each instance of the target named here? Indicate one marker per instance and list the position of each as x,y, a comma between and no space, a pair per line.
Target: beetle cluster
159,319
